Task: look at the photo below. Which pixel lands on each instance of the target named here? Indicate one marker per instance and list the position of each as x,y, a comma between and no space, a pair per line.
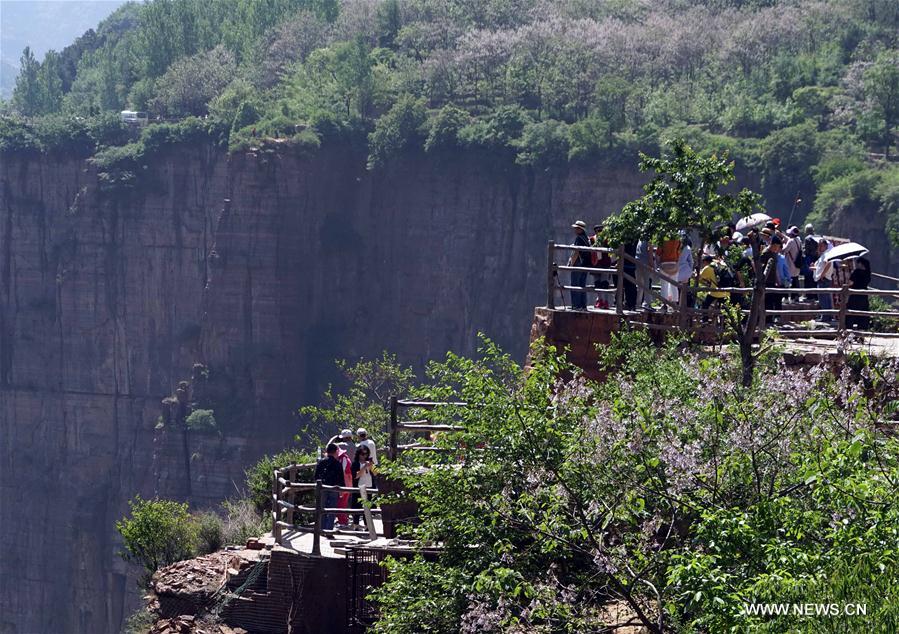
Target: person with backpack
708,279
792,253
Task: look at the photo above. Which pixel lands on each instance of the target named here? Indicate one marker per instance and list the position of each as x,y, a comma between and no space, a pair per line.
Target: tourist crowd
349,461
787,259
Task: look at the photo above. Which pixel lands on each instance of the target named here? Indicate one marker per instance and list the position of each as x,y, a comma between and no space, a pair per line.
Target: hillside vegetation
805,92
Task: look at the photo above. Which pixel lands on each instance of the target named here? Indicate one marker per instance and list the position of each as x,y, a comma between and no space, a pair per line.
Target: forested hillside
805,92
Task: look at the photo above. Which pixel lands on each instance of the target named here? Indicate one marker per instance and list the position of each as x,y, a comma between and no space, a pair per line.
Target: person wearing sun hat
365,441
581,259
792,253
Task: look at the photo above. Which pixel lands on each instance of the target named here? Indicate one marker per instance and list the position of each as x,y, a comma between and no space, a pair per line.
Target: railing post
317,530
392,430
844,306
292,496
763,312
276,530
550,275
619,286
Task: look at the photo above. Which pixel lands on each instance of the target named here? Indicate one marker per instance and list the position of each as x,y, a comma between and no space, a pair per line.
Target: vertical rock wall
264,267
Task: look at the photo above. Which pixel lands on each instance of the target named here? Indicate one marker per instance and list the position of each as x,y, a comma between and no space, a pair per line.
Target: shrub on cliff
157,533
396,129
201,420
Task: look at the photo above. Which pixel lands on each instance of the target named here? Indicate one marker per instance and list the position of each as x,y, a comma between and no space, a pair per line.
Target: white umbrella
752,222
844,251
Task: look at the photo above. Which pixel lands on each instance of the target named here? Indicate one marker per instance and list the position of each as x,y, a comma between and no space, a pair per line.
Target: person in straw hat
579,258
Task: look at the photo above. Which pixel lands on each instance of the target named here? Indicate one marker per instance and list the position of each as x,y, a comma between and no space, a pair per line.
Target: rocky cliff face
262,266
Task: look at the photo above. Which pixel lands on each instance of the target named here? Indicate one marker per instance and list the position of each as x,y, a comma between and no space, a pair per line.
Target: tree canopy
668,496
788,87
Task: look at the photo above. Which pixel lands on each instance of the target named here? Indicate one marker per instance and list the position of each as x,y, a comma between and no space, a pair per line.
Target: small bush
140,622
158,533
201,420
210,532
243,522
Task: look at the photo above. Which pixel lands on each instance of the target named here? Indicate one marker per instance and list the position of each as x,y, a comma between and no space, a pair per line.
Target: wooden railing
286,505
689,318
395,426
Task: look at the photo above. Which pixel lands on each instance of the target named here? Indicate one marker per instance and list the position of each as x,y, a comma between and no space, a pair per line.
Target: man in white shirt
823,278
364,440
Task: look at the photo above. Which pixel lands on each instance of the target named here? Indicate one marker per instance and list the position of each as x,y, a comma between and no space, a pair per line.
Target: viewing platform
809,333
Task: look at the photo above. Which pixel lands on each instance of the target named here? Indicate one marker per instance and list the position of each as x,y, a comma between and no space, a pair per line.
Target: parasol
752,222
845,251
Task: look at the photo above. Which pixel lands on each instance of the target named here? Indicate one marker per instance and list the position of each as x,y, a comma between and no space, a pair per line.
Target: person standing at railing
708,279
363,469
792,252
669,254
580,259
646,259
773,270
600,260
343,498
810,254
859,280
629,270
344,440
365,441
824,278
685,266
330,472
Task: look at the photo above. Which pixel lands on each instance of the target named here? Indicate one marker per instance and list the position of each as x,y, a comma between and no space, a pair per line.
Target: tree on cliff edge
685,194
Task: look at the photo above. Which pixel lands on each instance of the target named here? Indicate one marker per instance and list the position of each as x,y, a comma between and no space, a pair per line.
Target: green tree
26,97
668,491
158,533
686,194
881,83
191,83
396,129
364,403
50,83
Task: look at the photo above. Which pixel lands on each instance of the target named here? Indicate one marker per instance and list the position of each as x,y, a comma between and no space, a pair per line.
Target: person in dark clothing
330,472
859,279
768,266
629,269
579,258
810,253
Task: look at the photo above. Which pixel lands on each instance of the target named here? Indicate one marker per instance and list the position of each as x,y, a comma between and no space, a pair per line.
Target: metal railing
628,269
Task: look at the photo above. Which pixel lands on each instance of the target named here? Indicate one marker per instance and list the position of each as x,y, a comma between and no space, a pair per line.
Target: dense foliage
668,495
803,91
